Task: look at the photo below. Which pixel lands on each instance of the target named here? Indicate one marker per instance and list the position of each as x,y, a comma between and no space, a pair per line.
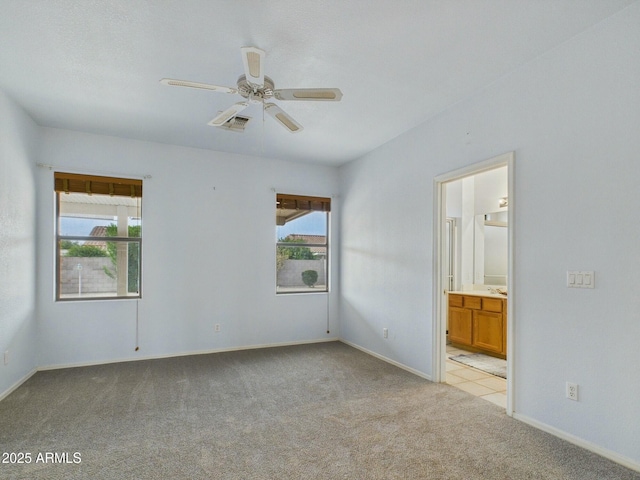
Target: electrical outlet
217,327
572,391
385,333
6,357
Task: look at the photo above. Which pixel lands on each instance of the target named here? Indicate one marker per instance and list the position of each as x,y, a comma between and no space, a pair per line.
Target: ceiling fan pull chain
262,139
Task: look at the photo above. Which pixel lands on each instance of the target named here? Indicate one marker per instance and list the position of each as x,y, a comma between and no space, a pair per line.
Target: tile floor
475,382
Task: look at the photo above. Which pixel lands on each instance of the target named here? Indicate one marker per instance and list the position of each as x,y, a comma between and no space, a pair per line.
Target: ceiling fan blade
229,113
309,94
284,119
185,83
253,61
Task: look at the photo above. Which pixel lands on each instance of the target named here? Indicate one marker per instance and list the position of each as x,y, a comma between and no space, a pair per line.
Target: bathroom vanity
478,322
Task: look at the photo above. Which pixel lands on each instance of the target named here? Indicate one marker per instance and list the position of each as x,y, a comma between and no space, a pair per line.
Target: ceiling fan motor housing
255,93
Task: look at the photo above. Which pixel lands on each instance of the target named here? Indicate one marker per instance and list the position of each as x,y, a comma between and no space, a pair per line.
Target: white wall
489,188
572,116
18,148
208,254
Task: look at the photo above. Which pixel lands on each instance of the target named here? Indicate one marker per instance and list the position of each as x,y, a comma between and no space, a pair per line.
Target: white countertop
478,293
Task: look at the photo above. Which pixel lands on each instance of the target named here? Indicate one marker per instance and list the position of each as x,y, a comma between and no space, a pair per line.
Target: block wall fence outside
94,279
290,275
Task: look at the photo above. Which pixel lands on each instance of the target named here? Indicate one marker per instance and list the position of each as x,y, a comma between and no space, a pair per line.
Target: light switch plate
581,279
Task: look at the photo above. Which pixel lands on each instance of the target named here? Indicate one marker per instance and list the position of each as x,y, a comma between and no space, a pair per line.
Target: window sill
94,298
298,291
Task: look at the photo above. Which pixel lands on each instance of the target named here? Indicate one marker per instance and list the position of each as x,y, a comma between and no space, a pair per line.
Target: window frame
313,205
115,187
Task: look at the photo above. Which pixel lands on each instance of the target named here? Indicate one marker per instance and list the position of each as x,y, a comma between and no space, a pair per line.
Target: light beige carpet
323,411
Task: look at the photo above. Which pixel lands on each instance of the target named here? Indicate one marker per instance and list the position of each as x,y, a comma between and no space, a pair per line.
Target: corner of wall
18,339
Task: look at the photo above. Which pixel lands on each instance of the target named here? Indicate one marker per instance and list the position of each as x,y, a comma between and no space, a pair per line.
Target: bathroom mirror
491,248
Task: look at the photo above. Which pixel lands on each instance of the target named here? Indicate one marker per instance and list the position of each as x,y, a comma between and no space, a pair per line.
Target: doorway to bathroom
473,284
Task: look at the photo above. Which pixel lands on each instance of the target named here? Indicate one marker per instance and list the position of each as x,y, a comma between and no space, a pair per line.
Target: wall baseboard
9,390
388,360
603,452
185,354
592,447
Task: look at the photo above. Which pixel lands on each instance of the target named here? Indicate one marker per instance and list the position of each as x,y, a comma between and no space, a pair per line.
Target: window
98,237
302,246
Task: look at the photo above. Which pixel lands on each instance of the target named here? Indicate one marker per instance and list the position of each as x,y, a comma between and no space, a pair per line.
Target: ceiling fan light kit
256,87
254,92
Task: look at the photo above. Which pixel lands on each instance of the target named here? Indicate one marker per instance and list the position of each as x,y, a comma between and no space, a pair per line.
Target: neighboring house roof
310,239
99,231
307,238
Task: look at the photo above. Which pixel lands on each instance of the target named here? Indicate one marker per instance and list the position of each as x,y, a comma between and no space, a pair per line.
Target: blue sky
71,226
312,224
80,226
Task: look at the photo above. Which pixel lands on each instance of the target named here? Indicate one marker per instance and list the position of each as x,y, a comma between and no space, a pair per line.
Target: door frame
439,308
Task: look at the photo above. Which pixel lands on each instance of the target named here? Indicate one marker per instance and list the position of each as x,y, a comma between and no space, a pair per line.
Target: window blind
301,202
89,184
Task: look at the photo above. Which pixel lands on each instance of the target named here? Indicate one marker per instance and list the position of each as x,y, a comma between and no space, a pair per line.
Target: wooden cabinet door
488,331
460,325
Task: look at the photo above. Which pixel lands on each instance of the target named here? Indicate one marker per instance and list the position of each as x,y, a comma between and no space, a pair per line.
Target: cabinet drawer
492,304
455,301
473,302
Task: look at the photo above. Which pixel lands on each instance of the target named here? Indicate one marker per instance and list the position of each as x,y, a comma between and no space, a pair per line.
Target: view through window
302,246
99,237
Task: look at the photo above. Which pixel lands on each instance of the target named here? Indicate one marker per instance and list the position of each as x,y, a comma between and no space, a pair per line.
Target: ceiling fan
256,87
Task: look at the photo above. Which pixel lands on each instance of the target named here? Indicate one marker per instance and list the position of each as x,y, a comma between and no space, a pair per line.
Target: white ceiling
95,66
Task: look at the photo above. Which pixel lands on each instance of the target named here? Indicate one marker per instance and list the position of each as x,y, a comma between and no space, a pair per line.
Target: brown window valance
76,183
301,202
